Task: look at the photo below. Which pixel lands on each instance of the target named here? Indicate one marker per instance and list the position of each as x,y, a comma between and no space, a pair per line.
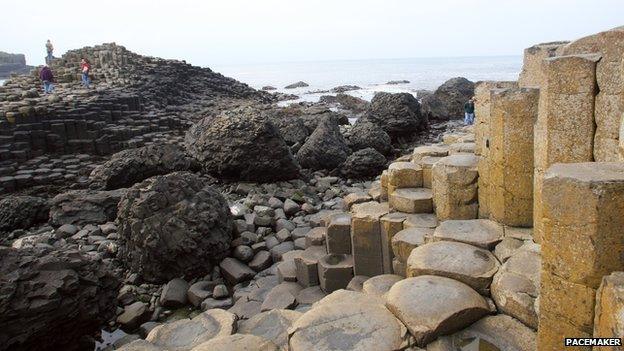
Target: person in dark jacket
469,112
47,78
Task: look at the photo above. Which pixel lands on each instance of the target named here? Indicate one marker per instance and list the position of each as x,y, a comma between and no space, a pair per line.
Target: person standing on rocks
49,49
85,67
47,78
469,112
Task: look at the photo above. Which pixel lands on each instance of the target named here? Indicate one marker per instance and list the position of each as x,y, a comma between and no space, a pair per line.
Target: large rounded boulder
397,114
326,148
49,300
365,134
131,166
365,163
22,212
241,145
173,225
447,102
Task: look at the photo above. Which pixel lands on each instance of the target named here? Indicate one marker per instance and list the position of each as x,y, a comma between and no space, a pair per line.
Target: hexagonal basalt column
335,272
404,175
582,241
366,241
512,116
339,234
564,130
455,187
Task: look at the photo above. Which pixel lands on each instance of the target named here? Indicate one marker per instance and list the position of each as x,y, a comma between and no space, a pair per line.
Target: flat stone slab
516,286
310,295
235,271
347,326
420,220
140,345
431,306
271,325
281,297
412,200
184,334
405,175
237,342
500,331
466,263
478,232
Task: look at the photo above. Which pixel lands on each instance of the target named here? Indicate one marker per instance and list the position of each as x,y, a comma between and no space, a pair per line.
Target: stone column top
371,209
588,171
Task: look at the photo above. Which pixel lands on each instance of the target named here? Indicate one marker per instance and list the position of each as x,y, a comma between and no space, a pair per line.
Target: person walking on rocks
85,67
49,49
47,78
469,112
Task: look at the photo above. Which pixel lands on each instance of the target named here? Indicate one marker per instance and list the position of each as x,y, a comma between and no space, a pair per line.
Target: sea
372,75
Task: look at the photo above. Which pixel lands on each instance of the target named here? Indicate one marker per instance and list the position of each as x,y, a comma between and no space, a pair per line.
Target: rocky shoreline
182,210
69,159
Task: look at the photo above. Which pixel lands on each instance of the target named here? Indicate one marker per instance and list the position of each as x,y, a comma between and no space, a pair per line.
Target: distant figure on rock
47,78
49,49
85,67
469,112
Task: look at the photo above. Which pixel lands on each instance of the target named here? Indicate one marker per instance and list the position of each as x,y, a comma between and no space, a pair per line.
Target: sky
211,32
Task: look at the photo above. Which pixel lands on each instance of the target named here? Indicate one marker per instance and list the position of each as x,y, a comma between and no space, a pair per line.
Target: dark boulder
292,128
131,166
343,88
22,212
397,114
365,134
313,116
49,300
365,163
82,207
241,145
172,226
447,102
299,84
325,148
346,102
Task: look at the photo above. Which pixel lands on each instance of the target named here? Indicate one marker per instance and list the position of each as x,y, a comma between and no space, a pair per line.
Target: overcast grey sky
259,31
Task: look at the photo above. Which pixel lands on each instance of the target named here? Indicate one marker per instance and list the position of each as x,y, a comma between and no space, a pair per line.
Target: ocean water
372,75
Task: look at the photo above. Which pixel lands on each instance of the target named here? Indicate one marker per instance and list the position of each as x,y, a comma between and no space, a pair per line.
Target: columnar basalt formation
455,187
532,74
366,237
608,320
609,103
582,221
483,91
510,159
569,90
